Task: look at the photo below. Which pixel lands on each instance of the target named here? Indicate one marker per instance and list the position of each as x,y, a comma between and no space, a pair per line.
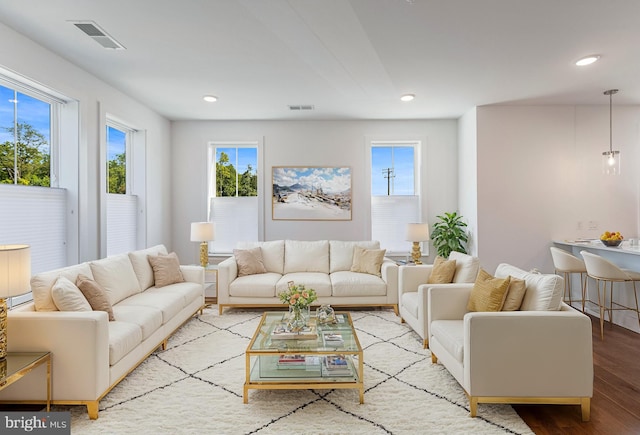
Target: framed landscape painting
311,193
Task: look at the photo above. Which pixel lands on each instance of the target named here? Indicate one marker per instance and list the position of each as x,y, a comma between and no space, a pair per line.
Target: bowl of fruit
613,238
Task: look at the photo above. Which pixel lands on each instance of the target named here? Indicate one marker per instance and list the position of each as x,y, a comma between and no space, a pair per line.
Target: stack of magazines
297,361
336,365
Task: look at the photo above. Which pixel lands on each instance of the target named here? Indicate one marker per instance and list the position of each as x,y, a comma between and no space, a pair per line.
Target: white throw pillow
306,256
68,297
42,283
141,265
116,275
544,291
467,267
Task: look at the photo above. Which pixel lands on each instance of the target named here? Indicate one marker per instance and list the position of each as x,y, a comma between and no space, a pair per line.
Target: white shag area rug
195,387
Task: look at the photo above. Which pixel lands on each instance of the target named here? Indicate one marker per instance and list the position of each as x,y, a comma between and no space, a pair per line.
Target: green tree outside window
34,162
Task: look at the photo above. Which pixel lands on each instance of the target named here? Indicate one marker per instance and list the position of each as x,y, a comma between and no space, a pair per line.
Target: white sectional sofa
324,265
541,353
91,354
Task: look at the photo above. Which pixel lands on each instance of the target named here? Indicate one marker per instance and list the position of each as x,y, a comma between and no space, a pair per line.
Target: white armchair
537,355
413,288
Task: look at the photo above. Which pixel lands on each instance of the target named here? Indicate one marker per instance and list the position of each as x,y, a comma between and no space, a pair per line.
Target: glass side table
18,364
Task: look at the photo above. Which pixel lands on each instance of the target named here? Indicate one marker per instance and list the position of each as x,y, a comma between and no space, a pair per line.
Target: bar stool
567,264
601,269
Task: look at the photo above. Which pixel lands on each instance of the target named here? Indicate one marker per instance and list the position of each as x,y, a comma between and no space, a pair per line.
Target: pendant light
611,158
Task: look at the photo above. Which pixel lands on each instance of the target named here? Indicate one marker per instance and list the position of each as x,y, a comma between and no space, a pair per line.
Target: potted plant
449,234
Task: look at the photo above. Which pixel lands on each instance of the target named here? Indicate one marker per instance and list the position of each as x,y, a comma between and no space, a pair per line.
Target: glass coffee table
325,357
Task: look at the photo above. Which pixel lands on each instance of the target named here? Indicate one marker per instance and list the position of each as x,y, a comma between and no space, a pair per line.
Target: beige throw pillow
515,294
367,260
95,294
442,272
488,292
166,269
68,297
249,261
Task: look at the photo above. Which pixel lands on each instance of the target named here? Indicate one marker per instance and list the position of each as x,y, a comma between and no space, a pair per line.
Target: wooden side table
17,364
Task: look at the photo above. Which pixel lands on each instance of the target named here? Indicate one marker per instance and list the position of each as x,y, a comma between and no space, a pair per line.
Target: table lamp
15,277
203,232
417,233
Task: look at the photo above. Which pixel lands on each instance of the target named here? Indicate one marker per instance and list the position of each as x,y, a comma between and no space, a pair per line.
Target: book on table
298,361
336,365
332,339
281,332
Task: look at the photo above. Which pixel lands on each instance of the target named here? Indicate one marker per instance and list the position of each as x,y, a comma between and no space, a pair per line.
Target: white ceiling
351,59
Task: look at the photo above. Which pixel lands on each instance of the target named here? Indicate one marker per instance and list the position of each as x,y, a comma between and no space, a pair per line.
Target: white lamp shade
202,231
417,232
15,270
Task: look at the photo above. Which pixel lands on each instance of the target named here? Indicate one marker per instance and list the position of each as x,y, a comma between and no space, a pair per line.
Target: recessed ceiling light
210,98
407,97
588,60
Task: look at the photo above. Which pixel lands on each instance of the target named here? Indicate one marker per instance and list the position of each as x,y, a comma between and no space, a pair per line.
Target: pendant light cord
611,123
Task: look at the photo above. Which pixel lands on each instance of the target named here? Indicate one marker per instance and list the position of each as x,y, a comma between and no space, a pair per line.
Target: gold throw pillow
442,272
368,260
515,294
488,292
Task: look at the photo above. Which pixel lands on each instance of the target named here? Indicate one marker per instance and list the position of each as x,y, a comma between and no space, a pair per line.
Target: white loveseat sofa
413,290
324,265
91,354
539,354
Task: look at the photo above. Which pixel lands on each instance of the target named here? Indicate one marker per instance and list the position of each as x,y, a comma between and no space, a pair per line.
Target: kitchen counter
624,256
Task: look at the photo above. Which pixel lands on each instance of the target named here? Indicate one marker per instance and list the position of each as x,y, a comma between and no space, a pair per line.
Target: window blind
389,217
35,216
236,219
121,223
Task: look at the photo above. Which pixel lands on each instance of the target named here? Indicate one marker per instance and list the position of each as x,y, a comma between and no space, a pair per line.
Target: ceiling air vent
96,33
301,107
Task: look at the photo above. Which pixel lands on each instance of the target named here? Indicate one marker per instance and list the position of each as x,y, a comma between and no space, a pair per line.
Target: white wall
312,143
468,177
33,61
539,176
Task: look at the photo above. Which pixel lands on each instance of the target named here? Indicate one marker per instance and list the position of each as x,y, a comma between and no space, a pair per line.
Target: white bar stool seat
566,264
601,269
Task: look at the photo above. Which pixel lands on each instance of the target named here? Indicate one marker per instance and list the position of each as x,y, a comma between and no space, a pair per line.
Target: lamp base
3,329
415,253
204,254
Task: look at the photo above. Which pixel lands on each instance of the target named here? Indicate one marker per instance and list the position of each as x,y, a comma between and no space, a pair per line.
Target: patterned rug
195,387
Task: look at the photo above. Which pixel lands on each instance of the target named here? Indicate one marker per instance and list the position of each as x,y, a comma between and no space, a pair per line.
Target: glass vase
298,318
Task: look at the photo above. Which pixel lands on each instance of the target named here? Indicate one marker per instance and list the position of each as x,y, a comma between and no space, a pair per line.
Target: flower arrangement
298,296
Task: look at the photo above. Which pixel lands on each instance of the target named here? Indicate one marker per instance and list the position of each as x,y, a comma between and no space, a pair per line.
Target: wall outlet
593,225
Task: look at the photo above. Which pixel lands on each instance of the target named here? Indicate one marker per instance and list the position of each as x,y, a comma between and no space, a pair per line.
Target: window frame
63,132
211,193
129,132
417,143
55,104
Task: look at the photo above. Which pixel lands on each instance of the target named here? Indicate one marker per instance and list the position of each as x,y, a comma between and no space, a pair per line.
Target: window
234,189
122,206
29,125
395,197
117,160
25,138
